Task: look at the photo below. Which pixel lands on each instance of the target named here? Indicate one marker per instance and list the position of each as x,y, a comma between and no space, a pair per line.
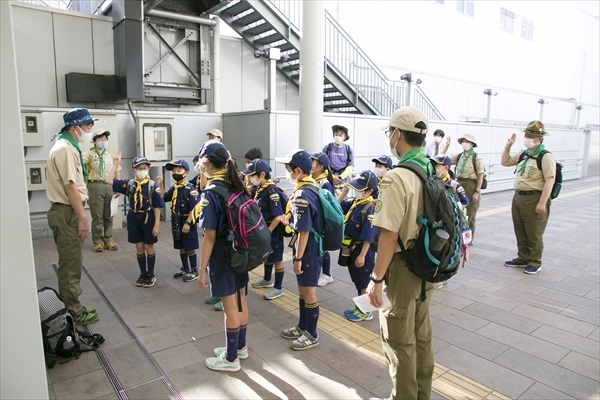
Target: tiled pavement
530,337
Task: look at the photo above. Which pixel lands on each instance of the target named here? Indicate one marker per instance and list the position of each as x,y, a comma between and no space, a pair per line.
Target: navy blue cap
139,160
383,159
443,159
177,163
77,116
256,167
322,158
365,180
299,157
209,149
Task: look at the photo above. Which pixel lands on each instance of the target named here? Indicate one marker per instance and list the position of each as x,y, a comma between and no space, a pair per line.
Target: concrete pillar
216,66
22,371
311,76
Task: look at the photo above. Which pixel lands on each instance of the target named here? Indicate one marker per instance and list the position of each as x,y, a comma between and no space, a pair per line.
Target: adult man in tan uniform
470,179
67,193
531,202
99,161
405,326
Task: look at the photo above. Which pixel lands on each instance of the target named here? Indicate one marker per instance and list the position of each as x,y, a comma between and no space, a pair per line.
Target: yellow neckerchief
357,203
100,160
302,182
175,192
219,176
262,187
446,177
137,195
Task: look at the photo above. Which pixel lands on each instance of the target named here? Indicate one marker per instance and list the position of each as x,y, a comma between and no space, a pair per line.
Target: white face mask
529,142
380,171
101,145
293,181
393,148
438,139
141,174
255,181
466,146
85,137
338,139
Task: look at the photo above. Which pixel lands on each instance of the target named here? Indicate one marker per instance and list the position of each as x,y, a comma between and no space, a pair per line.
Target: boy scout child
143,217
531,202
405,326
340,155
183,197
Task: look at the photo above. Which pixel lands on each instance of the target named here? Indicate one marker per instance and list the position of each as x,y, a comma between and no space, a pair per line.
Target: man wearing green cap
531,202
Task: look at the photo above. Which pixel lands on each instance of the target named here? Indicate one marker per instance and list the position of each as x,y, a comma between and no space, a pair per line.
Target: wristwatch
297,259
375,280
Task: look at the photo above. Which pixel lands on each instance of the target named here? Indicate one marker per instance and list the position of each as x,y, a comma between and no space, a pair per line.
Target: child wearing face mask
183,197
383,164
340,155
359,236
143,217
442,167
321,173
271,201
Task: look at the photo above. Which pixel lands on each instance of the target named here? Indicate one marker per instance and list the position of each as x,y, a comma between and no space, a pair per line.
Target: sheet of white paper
363,302
114,206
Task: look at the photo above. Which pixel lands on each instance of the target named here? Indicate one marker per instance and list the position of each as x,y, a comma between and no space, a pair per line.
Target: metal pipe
311,75
150,4
216,66
181,17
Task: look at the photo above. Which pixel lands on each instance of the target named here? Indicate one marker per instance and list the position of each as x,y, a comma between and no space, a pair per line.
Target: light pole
489,93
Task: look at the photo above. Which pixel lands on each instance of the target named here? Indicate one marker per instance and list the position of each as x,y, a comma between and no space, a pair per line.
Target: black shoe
182,272
150,280
141,280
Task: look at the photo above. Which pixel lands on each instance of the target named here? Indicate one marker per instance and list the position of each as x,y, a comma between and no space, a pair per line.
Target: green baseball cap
536,128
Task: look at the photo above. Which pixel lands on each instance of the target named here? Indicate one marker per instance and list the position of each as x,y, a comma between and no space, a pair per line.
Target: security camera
579,107
259,53
490,93
406,77
419,81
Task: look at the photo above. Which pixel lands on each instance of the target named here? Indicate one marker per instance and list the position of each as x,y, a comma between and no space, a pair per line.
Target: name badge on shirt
467,237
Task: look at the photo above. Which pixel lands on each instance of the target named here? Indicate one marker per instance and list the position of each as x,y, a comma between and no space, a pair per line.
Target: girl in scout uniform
270,201
322,174
383,164
183,197
217,166
98,162
143,217
304,214
360,234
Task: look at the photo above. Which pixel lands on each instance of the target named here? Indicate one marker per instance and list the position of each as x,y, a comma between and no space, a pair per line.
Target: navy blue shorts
137,230
311,268
187,241
277,254
361,276
223,281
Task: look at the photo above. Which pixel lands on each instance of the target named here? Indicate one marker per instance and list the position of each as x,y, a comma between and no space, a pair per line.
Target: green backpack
331,238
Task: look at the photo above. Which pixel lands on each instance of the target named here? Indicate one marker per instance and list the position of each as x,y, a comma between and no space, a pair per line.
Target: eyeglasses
389,131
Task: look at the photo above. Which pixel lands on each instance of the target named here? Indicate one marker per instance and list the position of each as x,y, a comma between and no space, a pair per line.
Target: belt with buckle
527,192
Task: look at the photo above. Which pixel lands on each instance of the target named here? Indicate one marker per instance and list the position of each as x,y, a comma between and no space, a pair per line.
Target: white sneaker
324,280
220,363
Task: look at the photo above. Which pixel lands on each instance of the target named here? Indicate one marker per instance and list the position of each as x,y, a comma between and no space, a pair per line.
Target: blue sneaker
514,263
358,316
531,270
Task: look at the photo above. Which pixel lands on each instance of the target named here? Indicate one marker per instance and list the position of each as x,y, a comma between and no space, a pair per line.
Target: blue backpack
331,238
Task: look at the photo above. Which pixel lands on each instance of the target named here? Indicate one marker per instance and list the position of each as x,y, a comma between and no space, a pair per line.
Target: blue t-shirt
271,206
187,198
339,158
355,228
214,216
120,186
306,214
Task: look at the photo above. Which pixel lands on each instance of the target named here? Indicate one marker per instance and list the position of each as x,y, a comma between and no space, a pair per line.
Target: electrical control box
32,129
155,139
36,175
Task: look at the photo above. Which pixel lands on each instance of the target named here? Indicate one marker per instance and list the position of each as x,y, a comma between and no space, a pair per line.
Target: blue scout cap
139,160
299,158
209,149
383,159
177,163
256,167
443,159
77,116
322,158
365,180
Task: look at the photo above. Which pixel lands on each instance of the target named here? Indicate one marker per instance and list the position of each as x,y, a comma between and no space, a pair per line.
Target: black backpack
348,152
441,211
474,158
558,178
248,232
59,336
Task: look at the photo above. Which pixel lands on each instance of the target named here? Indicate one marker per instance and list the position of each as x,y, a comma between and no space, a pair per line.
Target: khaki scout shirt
532,178
91,159
469,171
64,167
400,201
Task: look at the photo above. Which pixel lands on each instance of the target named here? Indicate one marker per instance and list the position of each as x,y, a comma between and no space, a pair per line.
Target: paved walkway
497,332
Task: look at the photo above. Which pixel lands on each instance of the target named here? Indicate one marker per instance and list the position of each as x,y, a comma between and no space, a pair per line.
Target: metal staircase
352,82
